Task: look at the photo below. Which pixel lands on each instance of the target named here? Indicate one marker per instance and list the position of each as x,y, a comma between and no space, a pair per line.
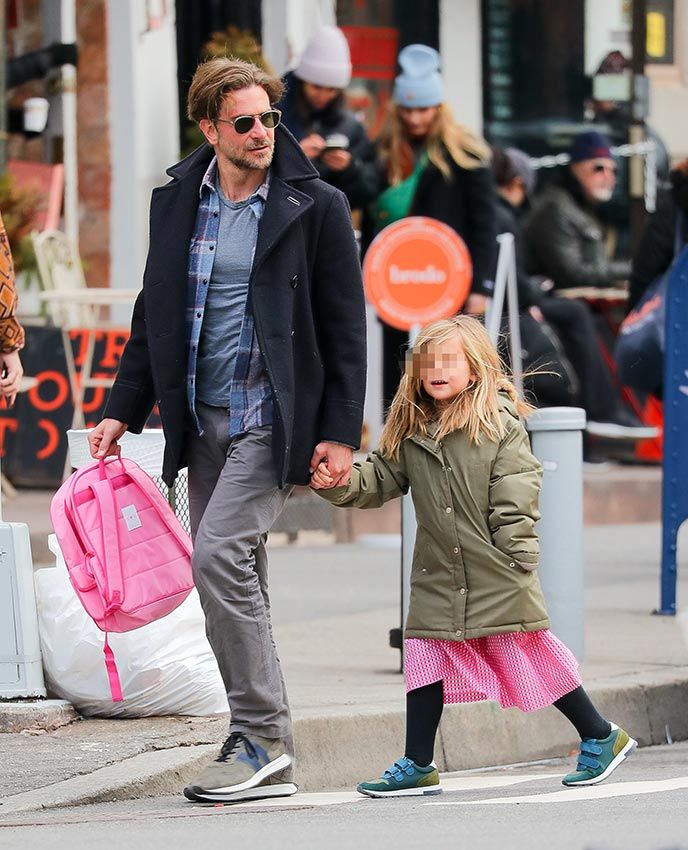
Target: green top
395,202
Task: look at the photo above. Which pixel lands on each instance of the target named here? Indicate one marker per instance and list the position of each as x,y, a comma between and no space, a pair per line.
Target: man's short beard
602,195
253,164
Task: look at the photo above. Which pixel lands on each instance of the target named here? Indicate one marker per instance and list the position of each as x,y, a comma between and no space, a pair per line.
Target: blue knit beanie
419,85
590,145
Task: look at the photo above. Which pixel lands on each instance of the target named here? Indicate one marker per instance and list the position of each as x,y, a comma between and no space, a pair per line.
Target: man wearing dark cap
566,243
566,239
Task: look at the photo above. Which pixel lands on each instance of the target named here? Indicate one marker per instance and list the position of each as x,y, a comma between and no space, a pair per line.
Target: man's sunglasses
599,167
244,123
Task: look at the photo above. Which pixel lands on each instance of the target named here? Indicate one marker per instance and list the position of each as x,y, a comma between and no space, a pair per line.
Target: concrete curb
336,752
42,715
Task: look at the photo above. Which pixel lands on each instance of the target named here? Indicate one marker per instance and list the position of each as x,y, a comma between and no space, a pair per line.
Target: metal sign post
506,285
675,455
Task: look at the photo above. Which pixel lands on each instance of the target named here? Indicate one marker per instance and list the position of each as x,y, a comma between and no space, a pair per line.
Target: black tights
424,710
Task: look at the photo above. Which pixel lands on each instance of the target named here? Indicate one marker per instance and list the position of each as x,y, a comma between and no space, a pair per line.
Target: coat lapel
285,205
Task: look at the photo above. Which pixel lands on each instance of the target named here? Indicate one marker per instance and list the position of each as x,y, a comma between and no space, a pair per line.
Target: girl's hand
321,478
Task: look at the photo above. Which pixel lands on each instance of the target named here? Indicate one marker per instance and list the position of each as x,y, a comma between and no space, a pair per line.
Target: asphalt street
643,807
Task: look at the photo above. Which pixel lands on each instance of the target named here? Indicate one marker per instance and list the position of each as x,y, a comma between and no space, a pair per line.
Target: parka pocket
512,563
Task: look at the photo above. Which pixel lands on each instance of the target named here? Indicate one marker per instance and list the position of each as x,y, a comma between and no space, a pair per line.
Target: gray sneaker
244,770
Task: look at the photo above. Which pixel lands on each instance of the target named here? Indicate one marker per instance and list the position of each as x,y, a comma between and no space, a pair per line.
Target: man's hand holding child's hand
321,479
331,465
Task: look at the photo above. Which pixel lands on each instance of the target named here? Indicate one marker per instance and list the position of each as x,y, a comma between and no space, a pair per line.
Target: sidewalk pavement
333,607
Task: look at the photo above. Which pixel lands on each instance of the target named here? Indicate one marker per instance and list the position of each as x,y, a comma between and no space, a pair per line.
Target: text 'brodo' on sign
416,271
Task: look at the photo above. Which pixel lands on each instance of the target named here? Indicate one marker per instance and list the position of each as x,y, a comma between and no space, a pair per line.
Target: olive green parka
476,548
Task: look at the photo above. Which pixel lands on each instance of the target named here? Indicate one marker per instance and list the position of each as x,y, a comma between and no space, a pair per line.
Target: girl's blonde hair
475,410
445,137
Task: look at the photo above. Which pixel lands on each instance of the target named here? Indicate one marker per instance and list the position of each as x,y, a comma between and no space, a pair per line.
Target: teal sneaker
599,758
403,779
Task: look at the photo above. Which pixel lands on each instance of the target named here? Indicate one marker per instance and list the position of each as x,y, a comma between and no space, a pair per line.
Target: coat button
449,510
294,281
462,591
456,550
458,632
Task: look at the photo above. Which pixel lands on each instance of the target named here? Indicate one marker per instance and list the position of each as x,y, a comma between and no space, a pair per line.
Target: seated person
566,245
566,239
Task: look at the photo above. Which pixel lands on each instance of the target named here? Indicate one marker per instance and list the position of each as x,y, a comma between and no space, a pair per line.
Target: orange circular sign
417,270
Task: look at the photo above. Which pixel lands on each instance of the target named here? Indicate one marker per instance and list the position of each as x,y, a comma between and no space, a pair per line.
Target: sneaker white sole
627,750
620,432
259,792
196,793
403,792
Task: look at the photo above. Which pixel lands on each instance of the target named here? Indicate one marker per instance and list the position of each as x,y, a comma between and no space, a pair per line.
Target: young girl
477,626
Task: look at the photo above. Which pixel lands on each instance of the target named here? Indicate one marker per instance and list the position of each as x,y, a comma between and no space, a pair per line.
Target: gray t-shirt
226,299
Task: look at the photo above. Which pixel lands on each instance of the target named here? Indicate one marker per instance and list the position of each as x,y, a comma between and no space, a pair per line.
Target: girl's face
444,370
417,123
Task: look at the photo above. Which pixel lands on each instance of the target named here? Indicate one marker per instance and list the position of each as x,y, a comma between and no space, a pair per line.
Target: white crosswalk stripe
577,795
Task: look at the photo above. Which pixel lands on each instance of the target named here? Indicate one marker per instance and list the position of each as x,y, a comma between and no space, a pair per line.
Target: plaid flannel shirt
250,397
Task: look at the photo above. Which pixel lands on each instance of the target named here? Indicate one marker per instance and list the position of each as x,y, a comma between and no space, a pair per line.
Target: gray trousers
234,500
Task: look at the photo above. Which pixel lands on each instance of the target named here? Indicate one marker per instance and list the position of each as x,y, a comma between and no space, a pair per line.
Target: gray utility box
21,671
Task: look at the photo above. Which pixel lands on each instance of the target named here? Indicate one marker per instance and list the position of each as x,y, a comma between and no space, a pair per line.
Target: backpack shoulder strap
105,497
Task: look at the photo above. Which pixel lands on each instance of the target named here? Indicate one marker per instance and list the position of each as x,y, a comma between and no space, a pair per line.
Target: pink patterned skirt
529,670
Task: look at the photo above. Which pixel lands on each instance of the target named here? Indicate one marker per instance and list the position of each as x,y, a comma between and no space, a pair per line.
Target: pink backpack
128,556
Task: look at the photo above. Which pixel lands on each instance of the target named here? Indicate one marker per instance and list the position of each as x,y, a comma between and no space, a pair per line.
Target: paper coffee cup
35,114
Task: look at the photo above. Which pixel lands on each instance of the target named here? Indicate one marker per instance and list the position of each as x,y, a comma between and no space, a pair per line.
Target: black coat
307,299
657,247
467,204
359,181
566,239
529,293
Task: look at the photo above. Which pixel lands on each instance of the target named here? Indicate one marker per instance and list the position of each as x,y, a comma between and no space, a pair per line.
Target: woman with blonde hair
433,167
477,625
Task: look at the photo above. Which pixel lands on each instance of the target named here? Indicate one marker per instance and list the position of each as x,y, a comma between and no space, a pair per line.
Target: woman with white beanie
433,167
330,135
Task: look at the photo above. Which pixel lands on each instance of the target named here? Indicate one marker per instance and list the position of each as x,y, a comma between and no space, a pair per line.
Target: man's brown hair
217,77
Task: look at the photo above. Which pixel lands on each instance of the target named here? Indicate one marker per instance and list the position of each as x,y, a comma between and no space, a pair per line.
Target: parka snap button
458,632
456,550
462,591
449,510
512,564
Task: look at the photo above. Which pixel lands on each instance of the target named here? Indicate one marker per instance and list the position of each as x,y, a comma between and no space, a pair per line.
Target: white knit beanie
326,61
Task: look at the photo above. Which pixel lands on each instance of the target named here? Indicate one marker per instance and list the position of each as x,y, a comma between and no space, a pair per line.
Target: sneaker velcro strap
591,747
399,768
586,761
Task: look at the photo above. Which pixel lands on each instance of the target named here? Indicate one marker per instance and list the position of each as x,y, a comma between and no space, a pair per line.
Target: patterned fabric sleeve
11,332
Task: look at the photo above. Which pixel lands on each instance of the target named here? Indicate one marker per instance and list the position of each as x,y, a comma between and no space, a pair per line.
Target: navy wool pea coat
307,299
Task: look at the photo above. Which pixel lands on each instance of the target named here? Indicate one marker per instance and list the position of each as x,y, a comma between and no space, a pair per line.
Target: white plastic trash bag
166,667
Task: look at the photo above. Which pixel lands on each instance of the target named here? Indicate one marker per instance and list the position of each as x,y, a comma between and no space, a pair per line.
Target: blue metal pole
675,453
